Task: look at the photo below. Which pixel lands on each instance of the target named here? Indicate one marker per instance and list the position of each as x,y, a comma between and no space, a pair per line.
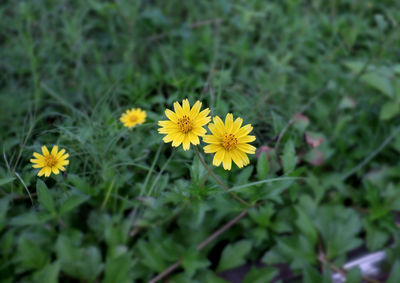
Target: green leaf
150,256
6,180
354,275
299,250
262,215
30,255
305,225
45,197
234,255
78,261
389,110
347,103
25,219
379,82
310,275
193,261
197,172
273,256
48,274
376,237
73,200
118,269
260,275
7,243
289,158
338,227
4,204
244,175
395,273
262,166
82,185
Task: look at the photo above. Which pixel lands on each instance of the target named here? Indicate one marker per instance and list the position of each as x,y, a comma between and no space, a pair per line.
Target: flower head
185,125
133,117
229,141
53,161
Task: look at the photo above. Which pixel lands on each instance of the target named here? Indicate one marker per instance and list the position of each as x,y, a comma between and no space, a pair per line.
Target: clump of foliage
319,82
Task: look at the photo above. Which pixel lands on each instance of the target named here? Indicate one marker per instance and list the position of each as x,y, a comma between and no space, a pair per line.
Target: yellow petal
199,122
65,162
247,148
216,130
195,110
45,151
219,155
229,122
171,115
47,171
167,139
55,170
236,125
211,148
178,109
204,113
236,158
186,142
65,156
168,124
34,160
246,139
227,163
186,107
54,150
218,123
243,157
199,131
37,155
211,139
194,139
178,140
216,162
41,172
60,167
60,153
244,131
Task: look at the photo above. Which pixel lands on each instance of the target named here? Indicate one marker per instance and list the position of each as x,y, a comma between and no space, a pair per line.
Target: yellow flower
133,117
50,162
229,141
185,125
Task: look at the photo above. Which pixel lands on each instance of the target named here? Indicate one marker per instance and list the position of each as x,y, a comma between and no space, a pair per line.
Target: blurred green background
318,80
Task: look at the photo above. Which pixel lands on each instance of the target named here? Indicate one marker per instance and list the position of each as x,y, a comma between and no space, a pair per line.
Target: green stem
235,196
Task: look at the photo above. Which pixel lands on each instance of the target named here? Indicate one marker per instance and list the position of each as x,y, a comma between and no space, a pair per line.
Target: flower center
133,118
184,124
229,141
50,160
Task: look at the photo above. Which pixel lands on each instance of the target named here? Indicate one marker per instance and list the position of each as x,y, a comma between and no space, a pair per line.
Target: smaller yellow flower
53,161
185,125
229,141
133,117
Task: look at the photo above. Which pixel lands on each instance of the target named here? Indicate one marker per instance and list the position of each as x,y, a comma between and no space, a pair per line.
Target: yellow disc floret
133,117
185,124
50,162
229,141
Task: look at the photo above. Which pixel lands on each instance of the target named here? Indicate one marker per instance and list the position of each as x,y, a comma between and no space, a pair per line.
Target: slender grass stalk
235,196
200,246
110,188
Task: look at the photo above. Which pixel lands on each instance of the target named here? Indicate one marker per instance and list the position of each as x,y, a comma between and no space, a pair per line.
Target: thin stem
372,154
200,246
323,260
235,196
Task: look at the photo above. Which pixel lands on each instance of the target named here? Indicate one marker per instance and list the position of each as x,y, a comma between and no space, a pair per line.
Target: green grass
129,205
